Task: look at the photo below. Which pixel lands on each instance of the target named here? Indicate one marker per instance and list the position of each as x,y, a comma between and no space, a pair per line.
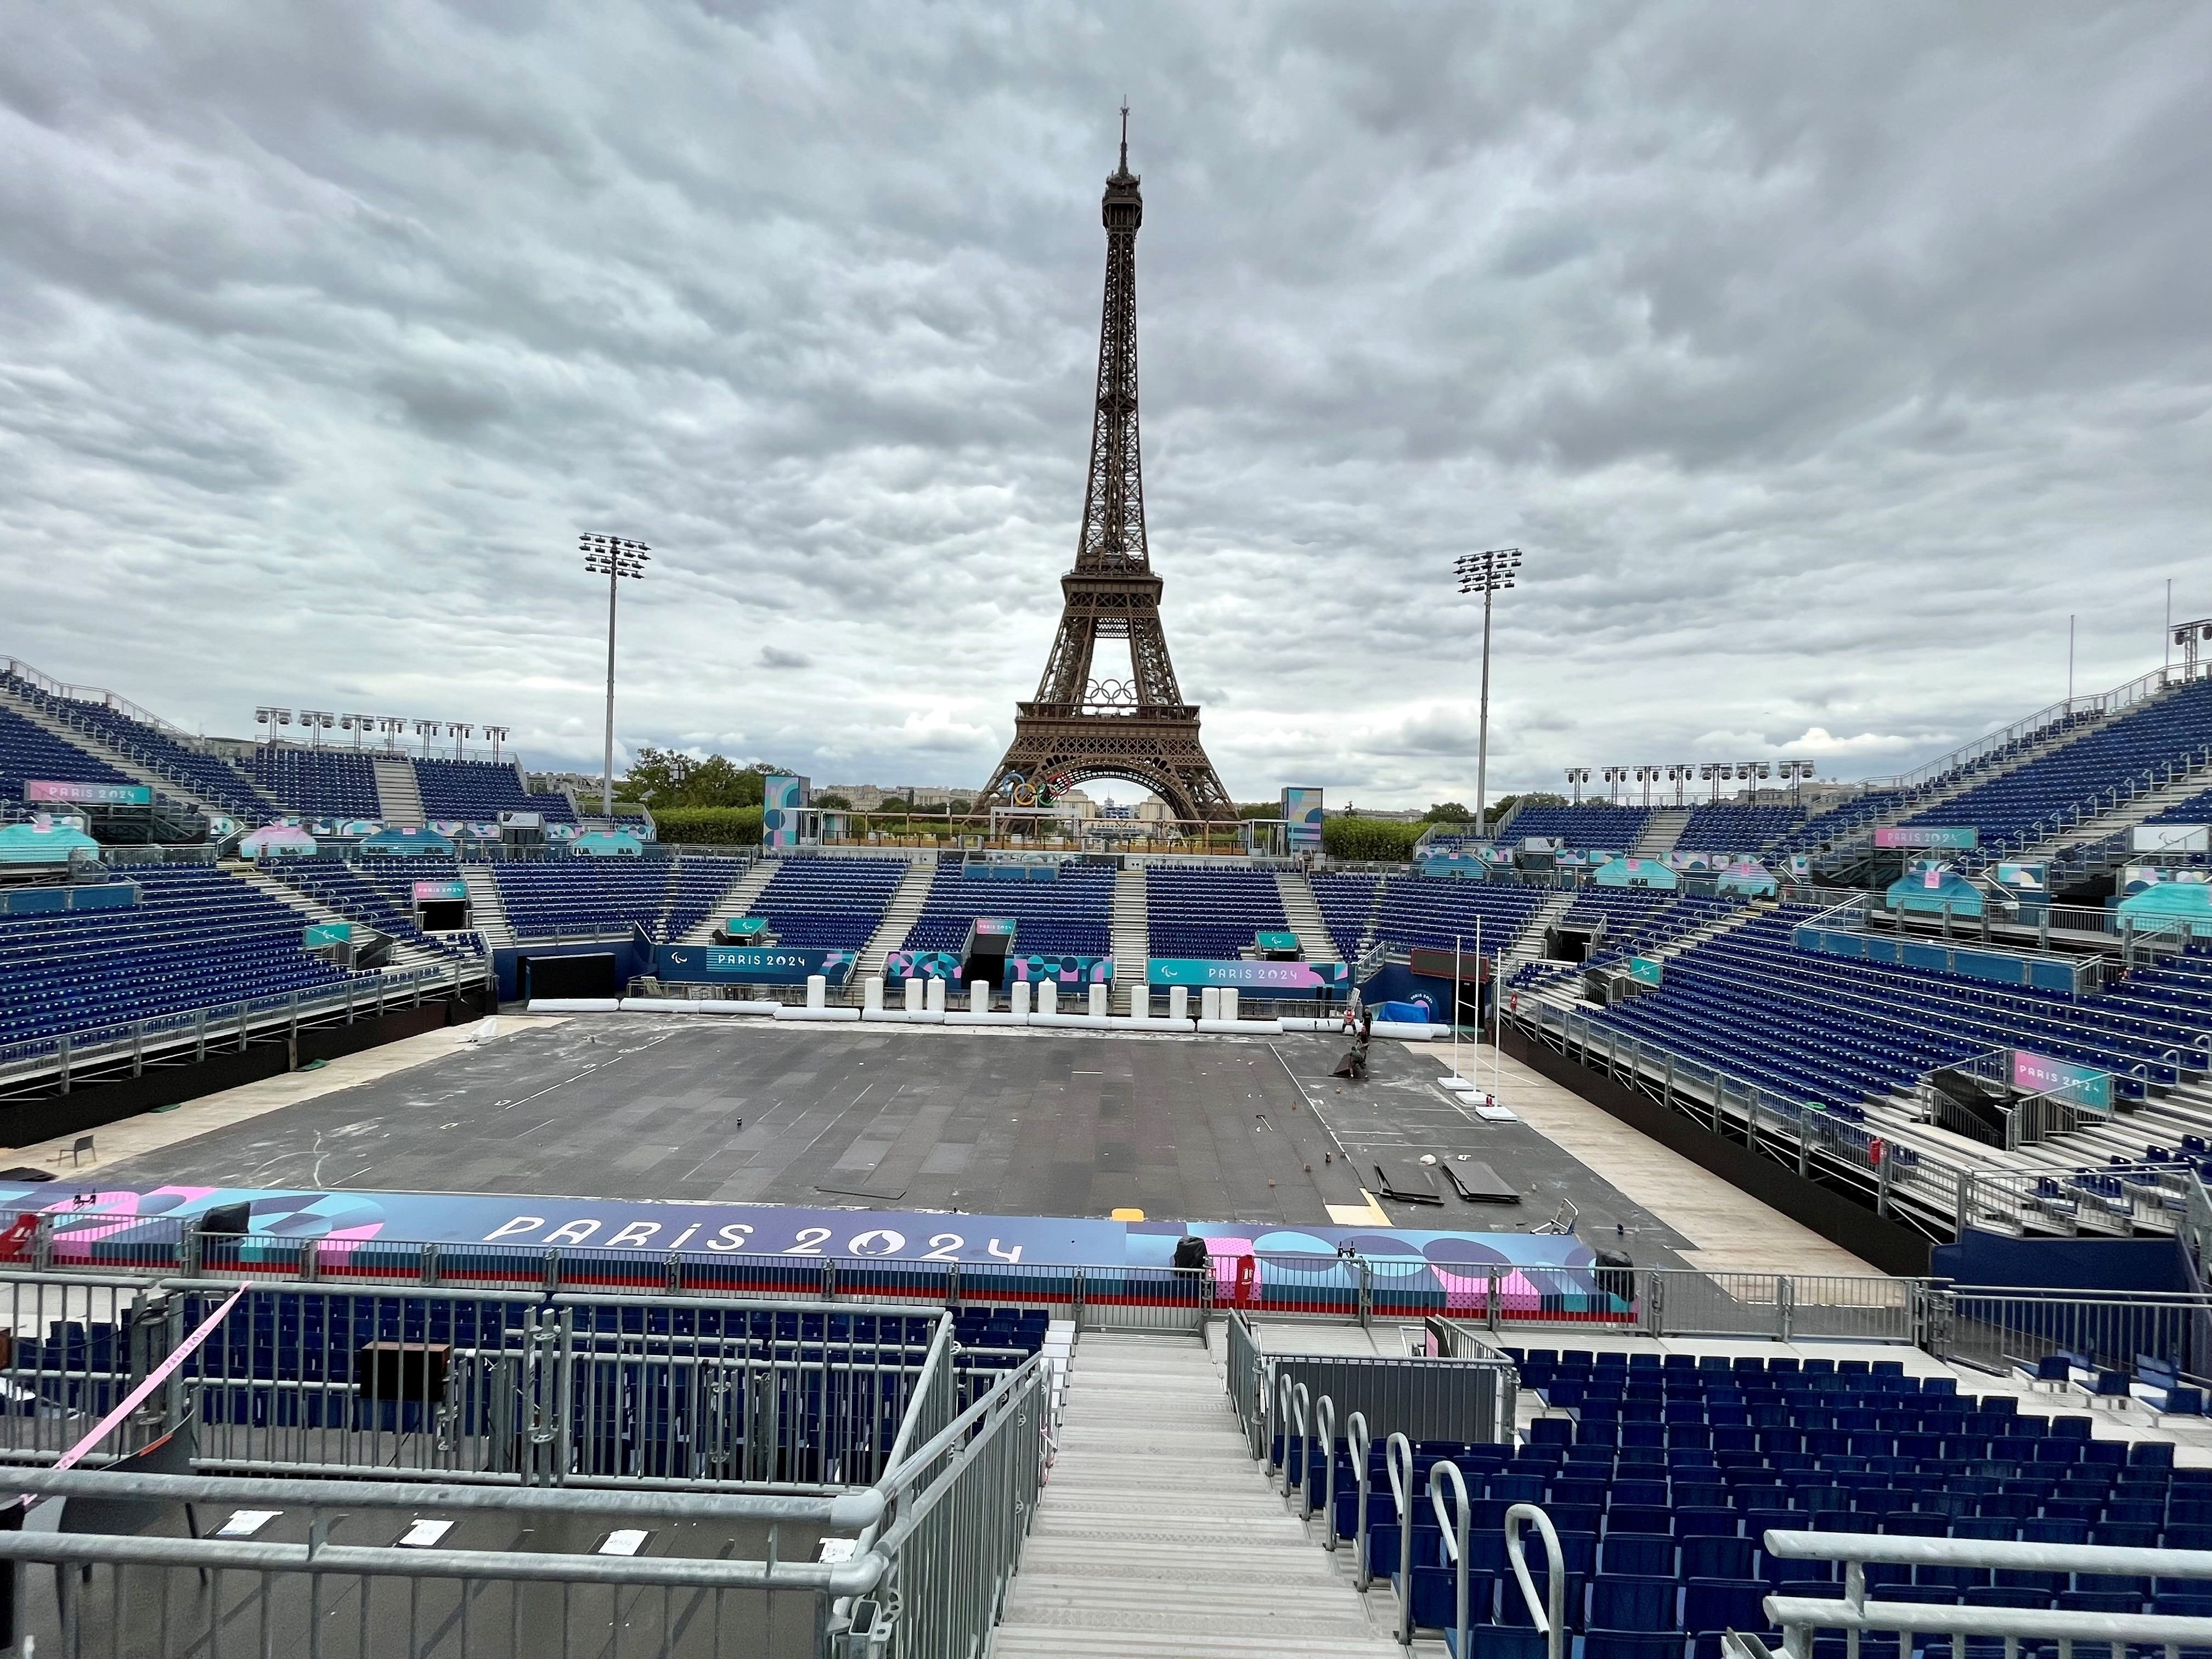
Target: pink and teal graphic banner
89,794
1297,979
620,1244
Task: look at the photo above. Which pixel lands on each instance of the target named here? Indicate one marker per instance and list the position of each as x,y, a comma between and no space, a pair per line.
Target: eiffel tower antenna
1077,728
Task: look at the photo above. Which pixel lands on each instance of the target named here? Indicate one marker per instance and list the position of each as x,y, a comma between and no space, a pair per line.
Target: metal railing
1997,1330
2058,716
190,1034
1799,1617
712,1461
363,1570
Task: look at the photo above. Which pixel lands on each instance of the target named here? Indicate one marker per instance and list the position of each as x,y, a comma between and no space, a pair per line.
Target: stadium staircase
899,915
398,796
2123,817
1305,918
404,953
734,902
1918,801
1527,945
1157,1537
487,913
1133,938
1661,832
160,779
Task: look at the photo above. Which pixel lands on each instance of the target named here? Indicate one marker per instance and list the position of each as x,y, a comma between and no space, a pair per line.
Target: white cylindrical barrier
1047,997
1098,999
1229,1002
1018,997
979,996
1178,1002
915,993
936,988
871,994
1140,1000
817,991
1209,1003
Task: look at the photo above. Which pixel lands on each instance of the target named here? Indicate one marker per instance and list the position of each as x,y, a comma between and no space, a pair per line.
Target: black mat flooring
1057,1123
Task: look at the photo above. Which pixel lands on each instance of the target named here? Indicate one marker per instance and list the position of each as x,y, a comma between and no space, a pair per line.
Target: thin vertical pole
2069,664
1455,992
1482,725
607,778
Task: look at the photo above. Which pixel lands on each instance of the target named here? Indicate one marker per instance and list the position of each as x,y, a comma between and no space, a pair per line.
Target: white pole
1454,991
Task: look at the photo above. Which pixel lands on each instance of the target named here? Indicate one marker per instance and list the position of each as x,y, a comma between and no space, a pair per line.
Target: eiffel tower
1077,728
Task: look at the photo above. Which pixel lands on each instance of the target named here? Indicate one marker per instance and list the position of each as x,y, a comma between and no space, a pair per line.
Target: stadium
450,1212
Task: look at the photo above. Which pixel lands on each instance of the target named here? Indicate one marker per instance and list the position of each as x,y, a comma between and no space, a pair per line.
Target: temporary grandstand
959,1239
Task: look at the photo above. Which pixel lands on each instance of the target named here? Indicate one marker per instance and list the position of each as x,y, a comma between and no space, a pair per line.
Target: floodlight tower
494,732
272,718
1577,777
1614,777
1795,772
615,558
1647,775
426,730
317,721
460,733
1751,772
1487,573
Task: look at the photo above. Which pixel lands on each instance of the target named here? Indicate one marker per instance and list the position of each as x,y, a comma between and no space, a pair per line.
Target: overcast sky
1823,359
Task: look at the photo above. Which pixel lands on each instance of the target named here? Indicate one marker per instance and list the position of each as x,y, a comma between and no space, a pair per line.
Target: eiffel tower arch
1078,726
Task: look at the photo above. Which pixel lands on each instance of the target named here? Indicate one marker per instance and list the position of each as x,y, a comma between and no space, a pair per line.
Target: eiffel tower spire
1076,727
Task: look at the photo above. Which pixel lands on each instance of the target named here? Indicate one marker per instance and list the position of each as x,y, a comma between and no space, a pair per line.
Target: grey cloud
1815,356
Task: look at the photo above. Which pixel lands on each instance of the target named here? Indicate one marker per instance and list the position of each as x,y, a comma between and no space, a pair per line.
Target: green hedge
709,826
1379,840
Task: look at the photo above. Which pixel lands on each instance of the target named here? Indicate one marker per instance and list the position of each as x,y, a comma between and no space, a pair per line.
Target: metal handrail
1325,1431
1549,1615
1454,1523
1798,1617
1398,1464
1363,1442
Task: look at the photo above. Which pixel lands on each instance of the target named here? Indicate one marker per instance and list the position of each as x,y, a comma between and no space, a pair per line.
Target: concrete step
1157,1534
735,902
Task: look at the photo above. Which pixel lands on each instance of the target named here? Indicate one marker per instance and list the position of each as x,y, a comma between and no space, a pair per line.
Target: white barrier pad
1093,1022
1409,1032
970,1017
1299,1023
573,1005
887,1016
1241,1027
785,1011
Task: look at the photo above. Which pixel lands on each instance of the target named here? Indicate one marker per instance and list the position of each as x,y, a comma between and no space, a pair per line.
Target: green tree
830,800
709,826
1382,840
1448,811
668,777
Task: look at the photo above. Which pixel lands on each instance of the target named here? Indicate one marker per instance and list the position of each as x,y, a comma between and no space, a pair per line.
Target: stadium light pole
494,732
1485,573
615,558
1614,777
1577,777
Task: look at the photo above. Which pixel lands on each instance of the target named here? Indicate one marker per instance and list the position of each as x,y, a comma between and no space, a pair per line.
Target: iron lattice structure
1079,727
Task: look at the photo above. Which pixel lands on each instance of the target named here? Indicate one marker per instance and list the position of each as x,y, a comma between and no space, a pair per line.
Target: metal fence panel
1422,1398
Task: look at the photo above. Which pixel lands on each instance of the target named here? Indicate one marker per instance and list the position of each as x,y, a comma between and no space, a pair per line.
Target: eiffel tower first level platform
1078,727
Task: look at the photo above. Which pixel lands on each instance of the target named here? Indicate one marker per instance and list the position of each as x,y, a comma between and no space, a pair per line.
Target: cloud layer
1823,362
